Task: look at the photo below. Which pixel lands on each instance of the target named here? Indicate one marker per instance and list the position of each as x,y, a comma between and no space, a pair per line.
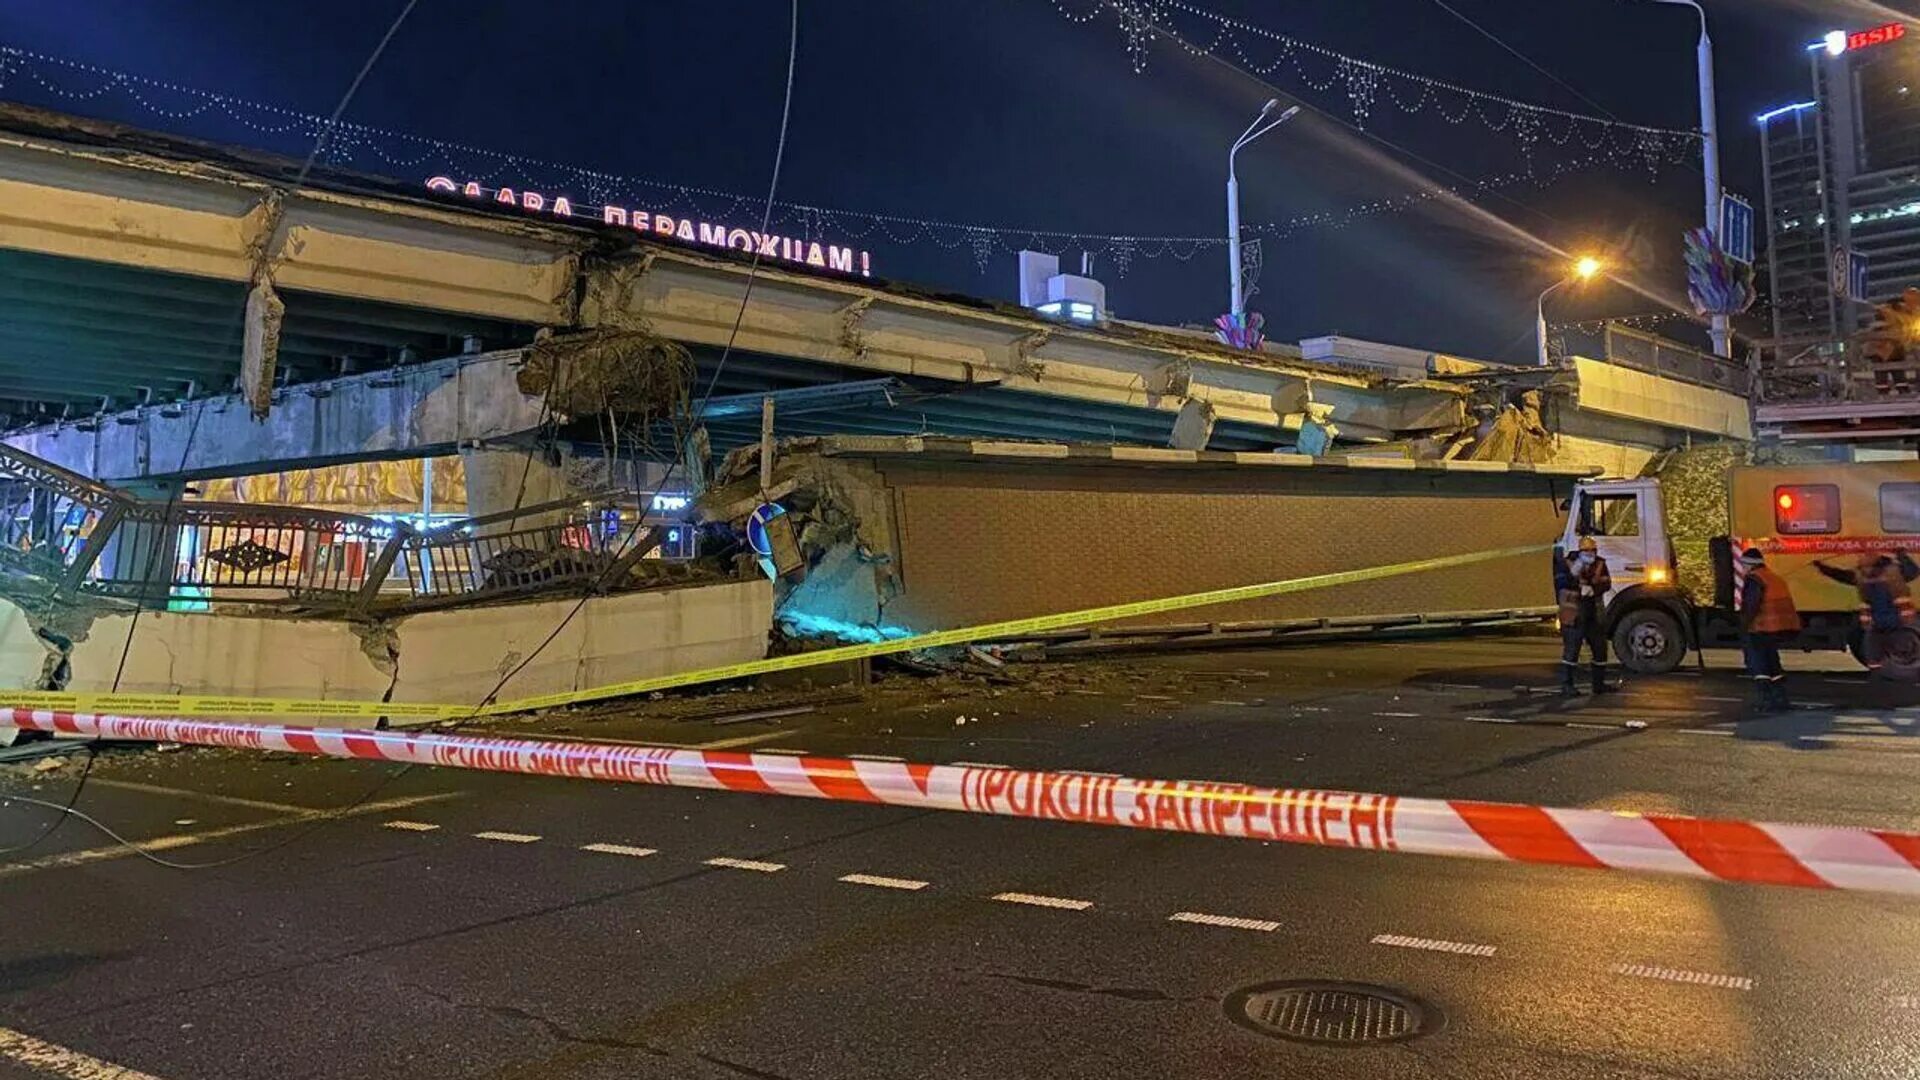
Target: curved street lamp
1260,126
1583,269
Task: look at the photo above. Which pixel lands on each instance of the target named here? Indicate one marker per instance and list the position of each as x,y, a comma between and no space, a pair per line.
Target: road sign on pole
1849,274
1736,228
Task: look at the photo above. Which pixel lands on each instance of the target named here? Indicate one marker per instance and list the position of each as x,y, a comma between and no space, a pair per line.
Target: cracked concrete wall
214,653
24,658
457,656
447,656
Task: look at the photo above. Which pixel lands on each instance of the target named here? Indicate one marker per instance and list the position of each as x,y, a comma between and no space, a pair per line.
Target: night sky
1007,112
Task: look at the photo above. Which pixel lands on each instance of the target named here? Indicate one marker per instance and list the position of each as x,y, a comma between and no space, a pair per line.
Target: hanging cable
157,546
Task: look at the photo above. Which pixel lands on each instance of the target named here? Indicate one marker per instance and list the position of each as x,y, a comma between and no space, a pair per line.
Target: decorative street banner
844,260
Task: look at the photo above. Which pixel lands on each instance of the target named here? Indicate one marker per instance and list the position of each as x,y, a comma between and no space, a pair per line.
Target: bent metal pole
1810,856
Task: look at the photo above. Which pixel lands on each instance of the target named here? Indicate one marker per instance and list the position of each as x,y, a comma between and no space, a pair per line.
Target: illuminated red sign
1879,35
846,260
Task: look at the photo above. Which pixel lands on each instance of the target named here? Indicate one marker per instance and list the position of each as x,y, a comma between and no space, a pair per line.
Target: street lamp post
1582,270
1260,126
1709,155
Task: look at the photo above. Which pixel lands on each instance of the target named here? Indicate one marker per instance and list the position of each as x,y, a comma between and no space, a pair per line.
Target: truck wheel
1649,641
1899,654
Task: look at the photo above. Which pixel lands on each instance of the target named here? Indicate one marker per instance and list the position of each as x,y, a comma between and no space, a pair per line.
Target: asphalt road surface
452,924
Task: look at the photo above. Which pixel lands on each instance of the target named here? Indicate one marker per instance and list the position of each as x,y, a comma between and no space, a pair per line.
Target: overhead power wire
152,566
733,333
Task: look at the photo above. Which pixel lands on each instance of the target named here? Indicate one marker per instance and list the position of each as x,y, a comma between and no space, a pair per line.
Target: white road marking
977,765
46,1057
1699,978
180,840
1226,702
780,750
742,740
874,757
1232,922
1592,727
205,796
619,849
1399,714
1700,731
409,826
1492,720
879,882
1401,941
1311,708
1032,900
507,837
746,864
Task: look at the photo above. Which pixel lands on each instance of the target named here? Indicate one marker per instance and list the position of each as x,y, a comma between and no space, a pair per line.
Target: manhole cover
1339,1013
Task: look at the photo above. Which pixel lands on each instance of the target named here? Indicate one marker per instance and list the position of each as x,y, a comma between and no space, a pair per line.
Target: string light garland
380,149
1368,85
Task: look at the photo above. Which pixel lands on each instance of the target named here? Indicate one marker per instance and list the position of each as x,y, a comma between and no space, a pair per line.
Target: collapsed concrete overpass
127,257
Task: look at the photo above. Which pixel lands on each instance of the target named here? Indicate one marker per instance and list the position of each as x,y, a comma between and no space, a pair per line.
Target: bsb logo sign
845,260
1879,35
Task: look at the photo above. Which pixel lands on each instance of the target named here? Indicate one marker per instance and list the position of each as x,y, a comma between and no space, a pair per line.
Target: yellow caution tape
226,705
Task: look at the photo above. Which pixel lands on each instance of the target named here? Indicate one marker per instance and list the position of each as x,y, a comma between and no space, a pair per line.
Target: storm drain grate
1330,1012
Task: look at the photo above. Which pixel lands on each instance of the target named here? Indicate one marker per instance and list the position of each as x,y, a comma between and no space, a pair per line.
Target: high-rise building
1843,175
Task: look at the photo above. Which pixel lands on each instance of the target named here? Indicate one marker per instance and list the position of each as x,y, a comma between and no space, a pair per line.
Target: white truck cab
1649,621
1628,522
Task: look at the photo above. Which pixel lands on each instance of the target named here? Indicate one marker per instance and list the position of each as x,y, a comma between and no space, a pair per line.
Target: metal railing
67,535
1658,356
535,549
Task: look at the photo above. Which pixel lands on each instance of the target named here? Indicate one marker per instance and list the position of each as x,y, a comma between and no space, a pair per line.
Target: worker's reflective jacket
1886,599
1567,582
1768,609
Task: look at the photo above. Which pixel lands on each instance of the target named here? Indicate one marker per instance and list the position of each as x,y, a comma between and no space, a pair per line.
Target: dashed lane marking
978,765
204,796
1311,708
507,837
880,882
1697,978
1402,715
56,1060
1034,900
1700,731
180,840
746,864
1231,922
619,849
1492,720
875,757
781,750
1464,948
1223,701
410,826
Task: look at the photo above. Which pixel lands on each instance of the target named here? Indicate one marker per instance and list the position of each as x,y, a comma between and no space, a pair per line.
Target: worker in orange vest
1581,584
1886,597
1768,620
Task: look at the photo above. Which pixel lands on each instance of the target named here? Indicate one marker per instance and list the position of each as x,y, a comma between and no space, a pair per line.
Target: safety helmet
1587,544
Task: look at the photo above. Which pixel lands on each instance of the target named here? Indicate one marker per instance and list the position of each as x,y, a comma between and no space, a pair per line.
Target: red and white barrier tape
1804,855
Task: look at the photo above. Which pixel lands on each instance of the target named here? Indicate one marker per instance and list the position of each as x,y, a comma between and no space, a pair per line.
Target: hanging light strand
1369,86
357,145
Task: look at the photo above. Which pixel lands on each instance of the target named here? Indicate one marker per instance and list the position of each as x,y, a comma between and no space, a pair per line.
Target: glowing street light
1260,126
1585,268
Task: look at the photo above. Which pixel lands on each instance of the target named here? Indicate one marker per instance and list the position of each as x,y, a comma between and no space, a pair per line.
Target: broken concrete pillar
502,478
1193,427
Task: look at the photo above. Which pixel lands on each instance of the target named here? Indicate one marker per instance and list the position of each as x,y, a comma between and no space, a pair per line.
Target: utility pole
1709,157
